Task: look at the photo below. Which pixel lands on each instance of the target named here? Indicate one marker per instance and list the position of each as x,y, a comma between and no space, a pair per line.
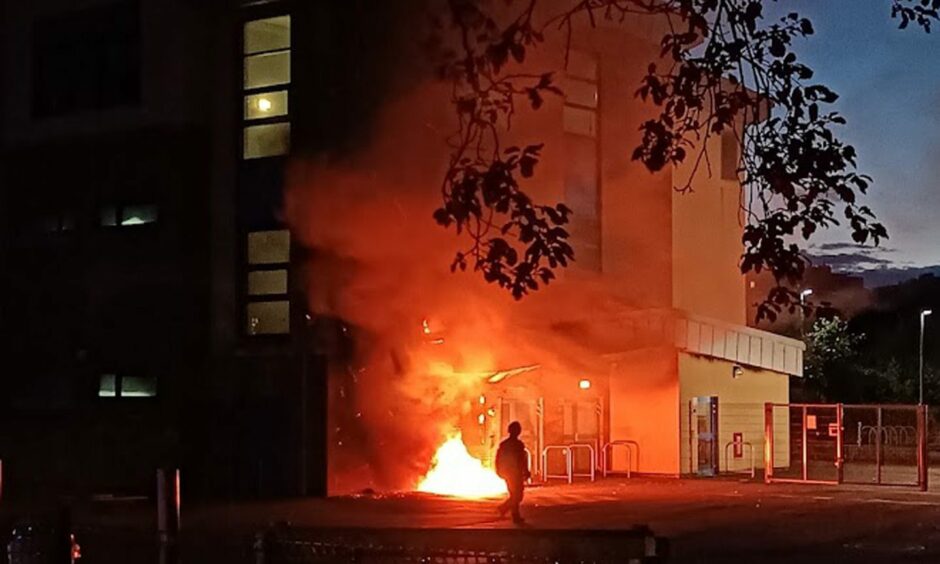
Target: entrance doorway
704,418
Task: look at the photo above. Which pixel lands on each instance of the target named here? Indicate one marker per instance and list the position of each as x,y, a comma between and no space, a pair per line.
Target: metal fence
882,445
457,546
836,443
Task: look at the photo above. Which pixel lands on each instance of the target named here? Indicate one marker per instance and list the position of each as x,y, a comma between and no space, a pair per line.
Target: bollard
257,548
168,514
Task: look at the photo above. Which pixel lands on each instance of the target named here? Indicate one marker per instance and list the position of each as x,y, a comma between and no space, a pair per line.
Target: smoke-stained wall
378,263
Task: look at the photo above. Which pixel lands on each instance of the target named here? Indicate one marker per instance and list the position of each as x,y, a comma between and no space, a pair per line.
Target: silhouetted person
512,465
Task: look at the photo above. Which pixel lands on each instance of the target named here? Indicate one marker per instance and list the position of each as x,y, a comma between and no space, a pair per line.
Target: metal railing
814,449
284,545
528,460
593,459
607,456
569,473
744,445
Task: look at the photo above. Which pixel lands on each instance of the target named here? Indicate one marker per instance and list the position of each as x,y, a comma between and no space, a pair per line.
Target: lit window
267,105
580,121
138,215
107,386
269,34
267,140
268,318
267,69
128,216
267,282
138,387
114,386
269,247
272,316
267,62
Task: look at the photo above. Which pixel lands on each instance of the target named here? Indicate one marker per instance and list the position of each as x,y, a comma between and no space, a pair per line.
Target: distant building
831,293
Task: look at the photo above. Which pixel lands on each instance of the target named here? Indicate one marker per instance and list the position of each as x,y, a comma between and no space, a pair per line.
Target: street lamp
923,316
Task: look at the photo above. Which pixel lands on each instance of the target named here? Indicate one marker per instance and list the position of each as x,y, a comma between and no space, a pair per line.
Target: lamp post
923,317
803,295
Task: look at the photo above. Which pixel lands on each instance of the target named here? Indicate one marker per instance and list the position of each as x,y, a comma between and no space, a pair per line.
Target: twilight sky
889,86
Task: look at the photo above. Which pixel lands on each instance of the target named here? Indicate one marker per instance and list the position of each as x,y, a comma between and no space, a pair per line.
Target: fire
456,473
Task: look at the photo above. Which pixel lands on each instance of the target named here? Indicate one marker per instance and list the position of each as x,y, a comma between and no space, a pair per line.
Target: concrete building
676,369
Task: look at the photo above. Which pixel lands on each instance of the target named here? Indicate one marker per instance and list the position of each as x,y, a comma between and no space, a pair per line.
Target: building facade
154,305
149,314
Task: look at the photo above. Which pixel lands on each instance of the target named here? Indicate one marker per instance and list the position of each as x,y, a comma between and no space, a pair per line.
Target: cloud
853,247
851,262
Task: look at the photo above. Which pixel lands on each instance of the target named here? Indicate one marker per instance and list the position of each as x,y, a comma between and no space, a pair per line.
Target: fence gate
836,443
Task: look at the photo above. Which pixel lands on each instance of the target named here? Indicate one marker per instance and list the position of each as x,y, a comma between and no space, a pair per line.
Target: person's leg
503,507
516,492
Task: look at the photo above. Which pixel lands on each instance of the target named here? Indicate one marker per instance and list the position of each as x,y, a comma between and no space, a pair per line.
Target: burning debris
455,472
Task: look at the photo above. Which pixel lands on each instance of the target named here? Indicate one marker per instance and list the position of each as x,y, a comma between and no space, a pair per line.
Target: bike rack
528,458
574,446
743,444
629,446
566,450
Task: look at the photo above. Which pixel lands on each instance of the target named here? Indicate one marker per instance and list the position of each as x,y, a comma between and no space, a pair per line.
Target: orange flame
455,472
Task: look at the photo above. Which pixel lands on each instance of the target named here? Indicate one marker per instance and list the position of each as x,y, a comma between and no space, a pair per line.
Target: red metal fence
837,443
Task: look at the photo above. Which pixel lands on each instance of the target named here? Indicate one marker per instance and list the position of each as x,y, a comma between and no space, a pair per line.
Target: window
128,216
121,386
267,35
729,155
87,60
581,65
267,282
266,140
267,105
266,78
580,121
581,95
267,309
269,318
582,194
269,247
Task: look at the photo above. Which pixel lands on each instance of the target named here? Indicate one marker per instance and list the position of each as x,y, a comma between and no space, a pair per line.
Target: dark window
87,60
582,184
729,155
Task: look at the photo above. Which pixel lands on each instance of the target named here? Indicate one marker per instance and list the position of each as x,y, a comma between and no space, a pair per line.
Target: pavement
704,520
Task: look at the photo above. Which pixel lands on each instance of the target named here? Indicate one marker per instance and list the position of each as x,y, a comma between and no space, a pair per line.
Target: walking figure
512,465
